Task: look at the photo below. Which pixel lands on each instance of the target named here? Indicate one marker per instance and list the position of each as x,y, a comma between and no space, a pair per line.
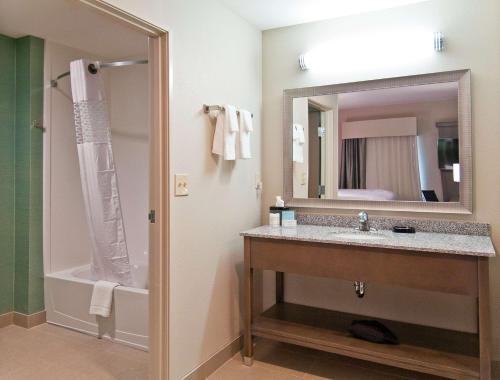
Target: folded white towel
301,134
102,298
230,128
298,143
218,143
245,129
224,143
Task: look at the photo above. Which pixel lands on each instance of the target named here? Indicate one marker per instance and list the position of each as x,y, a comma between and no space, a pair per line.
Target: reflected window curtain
392,164
353,164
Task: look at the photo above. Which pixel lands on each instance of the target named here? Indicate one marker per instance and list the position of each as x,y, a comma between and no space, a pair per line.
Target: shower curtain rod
93,67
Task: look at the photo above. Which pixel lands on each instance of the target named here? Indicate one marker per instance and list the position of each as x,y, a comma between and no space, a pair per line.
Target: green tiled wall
7,129
28,273
21,258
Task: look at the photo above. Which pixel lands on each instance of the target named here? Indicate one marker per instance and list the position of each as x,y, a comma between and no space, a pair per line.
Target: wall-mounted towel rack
207,108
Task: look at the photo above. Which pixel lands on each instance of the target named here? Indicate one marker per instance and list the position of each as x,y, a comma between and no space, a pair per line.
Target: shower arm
93,67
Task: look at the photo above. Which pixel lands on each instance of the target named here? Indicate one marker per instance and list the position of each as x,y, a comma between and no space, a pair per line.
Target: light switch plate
303,180
181,185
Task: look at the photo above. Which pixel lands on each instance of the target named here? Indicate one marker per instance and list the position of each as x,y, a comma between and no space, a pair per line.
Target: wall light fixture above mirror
393,144
402,46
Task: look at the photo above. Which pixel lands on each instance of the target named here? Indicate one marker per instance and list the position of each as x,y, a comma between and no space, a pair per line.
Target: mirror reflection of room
394,144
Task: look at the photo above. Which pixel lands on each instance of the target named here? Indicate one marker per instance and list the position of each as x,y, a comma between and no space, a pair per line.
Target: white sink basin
359,235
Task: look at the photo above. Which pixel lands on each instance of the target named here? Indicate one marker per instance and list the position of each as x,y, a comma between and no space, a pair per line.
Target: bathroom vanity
368,146
441,262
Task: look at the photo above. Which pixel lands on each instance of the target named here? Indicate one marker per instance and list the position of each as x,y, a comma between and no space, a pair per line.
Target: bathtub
67,301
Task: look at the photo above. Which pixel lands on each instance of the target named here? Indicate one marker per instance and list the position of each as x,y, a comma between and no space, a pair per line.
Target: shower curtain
110,259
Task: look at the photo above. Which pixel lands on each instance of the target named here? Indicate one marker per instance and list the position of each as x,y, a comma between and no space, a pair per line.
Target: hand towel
230,128
245,129
218,143
102,298
301,135
224,143
298,143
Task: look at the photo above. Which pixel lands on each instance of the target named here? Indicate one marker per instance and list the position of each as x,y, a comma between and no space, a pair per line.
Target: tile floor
49,352
279,361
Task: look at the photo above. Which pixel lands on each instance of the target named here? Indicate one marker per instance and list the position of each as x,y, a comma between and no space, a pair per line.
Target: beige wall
129,114
472,33
216,60
66,242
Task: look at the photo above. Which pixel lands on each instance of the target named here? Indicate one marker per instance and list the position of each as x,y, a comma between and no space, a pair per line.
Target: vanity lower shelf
422,349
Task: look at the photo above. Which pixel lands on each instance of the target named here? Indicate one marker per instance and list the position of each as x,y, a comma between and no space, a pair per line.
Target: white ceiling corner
270,14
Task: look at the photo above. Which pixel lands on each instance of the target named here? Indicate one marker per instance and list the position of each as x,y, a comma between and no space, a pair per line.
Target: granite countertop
420,241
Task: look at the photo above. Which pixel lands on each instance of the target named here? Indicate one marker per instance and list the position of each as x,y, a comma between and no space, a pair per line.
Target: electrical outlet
181,185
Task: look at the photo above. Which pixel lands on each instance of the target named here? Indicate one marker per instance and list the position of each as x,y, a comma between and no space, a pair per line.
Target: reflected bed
367,194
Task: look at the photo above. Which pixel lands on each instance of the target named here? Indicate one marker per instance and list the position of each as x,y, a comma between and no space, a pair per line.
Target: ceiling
399,95
270,14
67,22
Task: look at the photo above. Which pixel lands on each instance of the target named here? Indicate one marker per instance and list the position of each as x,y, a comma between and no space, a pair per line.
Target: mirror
397,141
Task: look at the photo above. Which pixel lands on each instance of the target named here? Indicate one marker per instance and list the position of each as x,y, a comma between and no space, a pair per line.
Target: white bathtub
67,301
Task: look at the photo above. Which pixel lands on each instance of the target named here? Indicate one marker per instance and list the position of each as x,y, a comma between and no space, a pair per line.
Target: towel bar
207,108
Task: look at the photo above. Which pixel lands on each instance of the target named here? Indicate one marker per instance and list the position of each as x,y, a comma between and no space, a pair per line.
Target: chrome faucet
364,225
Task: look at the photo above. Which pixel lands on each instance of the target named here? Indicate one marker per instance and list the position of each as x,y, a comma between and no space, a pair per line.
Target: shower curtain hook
93,67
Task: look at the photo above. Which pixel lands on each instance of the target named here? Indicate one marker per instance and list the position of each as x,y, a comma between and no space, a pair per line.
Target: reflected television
447,153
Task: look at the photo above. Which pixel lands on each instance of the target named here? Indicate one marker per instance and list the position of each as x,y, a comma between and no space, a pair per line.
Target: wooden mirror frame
464,206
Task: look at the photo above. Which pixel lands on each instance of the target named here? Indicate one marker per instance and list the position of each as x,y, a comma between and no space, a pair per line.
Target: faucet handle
363,217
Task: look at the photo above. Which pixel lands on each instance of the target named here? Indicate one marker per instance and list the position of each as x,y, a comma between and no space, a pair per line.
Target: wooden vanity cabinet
441,352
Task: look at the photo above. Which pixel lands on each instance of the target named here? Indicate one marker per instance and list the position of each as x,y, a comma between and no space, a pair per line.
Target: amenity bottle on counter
274,219
284,212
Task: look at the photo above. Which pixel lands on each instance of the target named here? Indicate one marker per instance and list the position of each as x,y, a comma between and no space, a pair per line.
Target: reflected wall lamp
438,42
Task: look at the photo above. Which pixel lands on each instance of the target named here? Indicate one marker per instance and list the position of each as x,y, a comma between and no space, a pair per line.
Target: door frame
159,193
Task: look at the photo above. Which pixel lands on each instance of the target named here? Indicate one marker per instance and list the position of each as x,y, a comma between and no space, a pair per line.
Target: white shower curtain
392,164
110,259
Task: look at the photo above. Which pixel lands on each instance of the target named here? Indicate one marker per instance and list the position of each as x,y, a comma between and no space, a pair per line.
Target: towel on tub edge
102,298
